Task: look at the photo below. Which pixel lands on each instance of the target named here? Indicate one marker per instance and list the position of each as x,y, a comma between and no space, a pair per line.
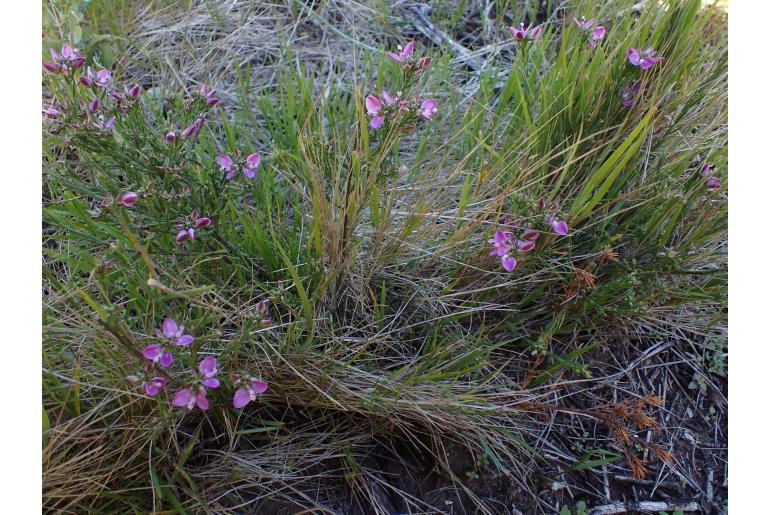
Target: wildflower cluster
387,106
194,390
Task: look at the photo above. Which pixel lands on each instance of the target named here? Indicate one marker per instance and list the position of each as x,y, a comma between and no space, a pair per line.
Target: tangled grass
396,350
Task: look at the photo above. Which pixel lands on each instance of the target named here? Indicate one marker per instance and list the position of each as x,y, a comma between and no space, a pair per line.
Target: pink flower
52,67
509,263
151,386
184,235
530,234
628,94
134,91
128,198
583,25
596,36
558,226
373,107
202,222
170,137
403,54
194,129
528,34
225,162
427,109
195,395
500,243
525,245
209,96
103,126
103,78
208,369
175,333
189,398
53,112
643,58
249,392
251,165
157,354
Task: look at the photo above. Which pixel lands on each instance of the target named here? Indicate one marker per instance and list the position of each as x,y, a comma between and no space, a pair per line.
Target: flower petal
258,386
170,327
185,339
202,401
211,382
377,122
182,398
208,366
373,104
166,359
241,398
253,160
509,263
152,352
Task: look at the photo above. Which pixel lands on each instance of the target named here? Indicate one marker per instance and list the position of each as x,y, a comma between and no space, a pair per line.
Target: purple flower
202,222
134,91
509,263
52,67
52,112
94,105
194,129
104,126
184,235
175,333
530,234
628,94
500,243
251,165
713,183
558,226
403,54
102,78
249,392
61,62
151,386
170,137
127,199
227,165
157,354
528,34
582,24
642,58
427,109
209,96
208,369
707,169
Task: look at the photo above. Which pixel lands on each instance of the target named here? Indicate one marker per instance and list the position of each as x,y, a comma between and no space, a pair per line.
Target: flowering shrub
245,287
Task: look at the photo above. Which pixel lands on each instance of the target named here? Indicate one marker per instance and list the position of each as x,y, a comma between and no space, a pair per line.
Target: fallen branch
643,506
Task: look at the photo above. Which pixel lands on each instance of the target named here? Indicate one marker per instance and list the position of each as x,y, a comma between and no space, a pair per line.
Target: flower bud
128,198
170,137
